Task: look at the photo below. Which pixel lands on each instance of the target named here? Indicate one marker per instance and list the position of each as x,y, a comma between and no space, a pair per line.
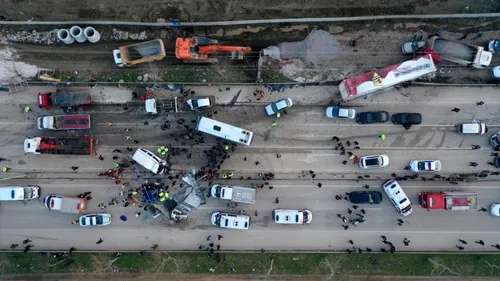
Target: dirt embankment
217,10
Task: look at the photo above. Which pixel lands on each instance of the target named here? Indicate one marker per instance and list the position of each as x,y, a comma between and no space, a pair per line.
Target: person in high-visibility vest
167,195
162,199
352,157
117,165
27,109
278,115
382,136
226,147
159,149
161,194
5,169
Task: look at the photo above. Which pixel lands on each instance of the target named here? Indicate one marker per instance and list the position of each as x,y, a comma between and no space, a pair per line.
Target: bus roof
225,131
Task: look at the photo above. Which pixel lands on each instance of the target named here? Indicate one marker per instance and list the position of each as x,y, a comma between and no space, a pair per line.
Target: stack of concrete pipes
78,34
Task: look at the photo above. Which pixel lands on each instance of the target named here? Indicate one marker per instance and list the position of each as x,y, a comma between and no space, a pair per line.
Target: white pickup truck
236,194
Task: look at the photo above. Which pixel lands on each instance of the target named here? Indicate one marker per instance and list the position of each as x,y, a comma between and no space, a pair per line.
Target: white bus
225,131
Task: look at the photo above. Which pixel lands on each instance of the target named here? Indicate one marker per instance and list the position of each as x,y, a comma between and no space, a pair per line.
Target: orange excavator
197,49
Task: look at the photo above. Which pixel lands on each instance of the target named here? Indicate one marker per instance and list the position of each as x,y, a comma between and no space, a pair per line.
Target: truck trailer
65,98
386,78
460,52
139,53
448,200
236,194
64,122
62,145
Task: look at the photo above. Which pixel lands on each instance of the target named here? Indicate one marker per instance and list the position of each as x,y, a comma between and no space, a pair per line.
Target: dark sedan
407,118
365,197
372,117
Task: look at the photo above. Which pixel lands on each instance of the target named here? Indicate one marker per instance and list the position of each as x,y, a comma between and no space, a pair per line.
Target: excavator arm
198,49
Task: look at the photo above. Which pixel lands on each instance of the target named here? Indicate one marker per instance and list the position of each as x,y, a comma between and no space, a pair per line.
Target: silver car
278,106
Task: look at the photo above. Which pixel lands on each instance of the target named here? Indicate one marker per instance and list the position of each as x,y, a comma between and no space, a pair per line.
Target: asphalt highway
303,138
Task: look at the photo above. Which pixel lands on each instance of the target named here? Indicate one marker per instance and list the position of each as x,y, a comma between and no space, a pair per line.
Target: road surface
303,138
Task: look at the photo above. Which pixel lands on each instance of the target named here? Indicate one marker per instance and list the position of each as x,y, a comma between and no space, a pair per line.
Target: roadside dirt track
207,277
219,10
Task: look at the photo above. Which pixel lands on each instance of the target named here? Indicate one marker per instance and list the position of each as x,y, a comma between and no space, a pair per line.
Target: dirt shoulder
223,10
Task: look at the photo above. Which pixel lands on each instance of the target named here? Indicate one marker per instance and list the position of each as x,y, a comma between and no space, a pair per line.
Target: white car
495,72
278,106
374,161
233,221
495,210
100,219
118,58
198,104
425,165
341,113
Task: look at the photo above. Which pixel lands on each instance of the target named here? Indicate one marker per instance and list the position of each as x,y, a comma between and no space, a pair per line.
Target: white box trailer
386,78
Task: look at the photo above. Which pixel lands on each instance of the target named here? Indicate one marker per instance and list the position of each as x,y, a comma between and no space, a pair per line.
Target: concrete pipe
77,33
63,35
92,34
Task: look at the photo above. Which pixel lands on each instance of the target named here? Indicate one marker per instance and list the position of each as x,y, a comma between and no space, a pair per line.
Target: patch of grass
215,74
290,264
274,77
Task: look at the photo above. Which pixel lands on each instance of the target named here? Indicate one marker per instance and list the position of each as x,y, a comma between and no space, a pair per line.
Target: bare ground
215,10
378,44
208,277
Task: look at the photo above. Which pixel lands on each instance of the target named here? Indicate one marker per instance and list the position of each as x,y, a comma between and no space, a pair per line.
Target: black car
372,117
365,197
407,118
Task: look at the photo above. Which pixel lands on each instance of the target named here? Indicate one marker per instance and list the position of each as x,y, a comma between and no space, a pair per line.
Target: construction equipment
197,49
149,51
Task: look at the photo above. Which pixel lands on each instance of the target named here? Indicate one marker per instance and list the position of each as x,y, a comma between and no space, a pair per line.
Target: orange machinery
197,49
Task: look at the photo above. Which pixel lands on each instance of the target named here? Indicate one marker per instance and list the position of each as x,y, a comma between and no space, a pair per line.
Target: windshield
496,46
99,220
217,191
194,103
421,166
28,192
217,219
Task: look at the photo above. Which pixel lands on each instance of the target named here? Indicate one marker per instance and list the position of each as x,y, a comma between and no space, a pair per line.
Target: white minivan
17,193
473,128
150,161
225,220
398,197
285,216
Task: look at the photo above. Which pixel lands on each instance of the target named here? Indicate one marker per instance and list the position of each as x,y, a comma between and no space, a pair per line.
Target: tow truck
448,200
178,104
61,145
